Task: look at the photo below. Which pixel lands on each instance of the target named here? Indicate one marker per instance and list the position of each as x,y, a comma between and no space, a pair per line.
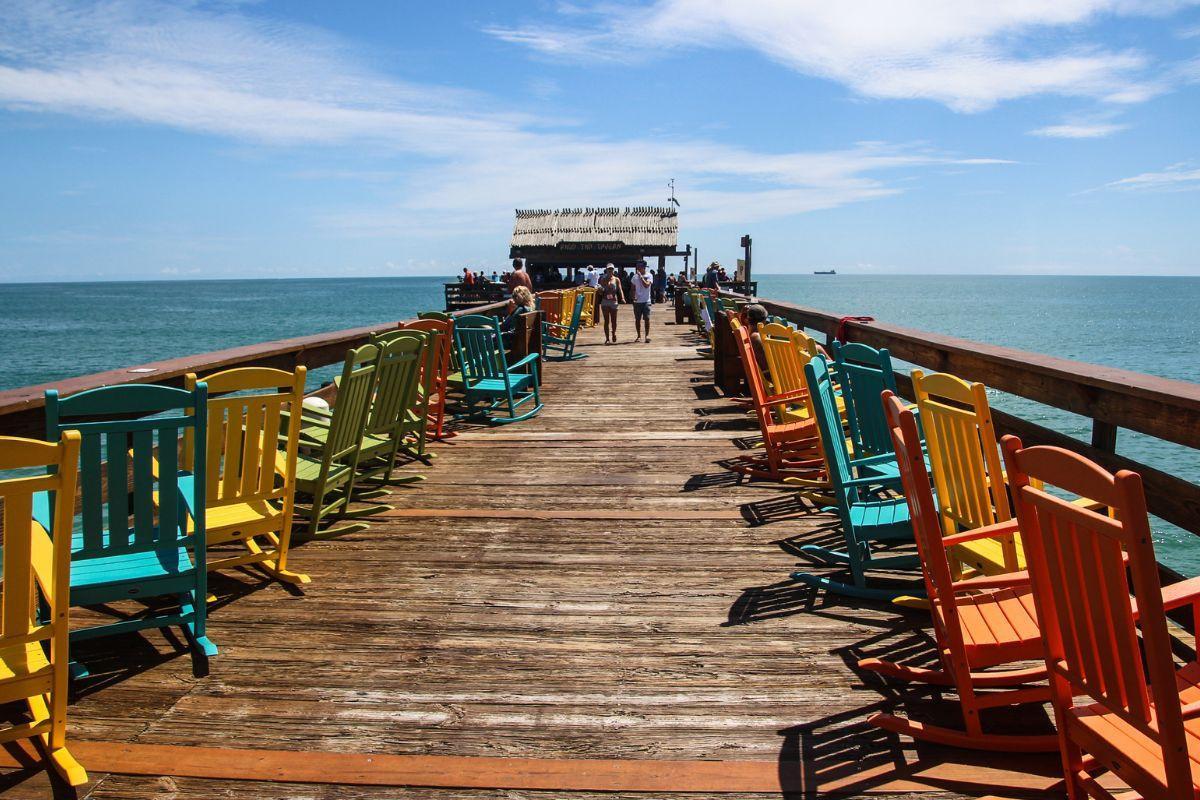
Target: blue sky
148,140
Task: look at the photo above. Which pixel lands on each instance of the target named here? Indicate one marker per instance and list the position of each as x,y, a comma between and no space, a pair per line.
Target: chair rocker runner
328,468
1116,709
979,624
558,339
494,388
251,481
157,556
36,568
867,518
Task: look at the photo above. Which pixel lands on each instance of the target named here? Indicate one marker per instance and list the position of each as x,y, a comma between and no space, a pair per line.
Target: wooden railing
21,411
1112,398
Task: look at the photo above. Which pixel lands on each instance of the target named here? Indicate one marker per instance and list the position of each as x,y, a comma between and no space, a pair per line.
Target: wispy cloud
1182,177
257,80
967,55
1080,130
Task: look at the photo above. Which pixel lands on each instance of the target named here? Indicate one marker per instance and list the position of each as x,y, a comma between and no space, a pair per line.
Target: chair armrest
1009,580
786,397
986,532
529,359
1181,594
870,461
873,480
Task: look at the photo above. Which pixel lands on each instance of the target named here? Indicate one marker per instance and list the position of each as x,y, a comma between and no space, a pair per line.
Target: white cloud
1182,177
1080,130
966,55
259,80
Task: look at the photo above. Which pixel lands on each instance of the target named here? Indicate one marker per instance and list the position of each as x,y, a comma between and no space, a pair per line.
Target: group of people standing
614,288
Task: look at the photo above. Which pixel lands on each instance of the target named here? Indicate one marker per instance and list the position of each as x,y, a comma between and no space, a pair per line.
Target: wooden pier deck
587,585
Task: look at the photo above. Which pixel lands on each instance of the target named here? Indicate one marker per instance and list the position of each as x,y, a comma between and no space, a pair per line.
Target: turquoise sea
54,331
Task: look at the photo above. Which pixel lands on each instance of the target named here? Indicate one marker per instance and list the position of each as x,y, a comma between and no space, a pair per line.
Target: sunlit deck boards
650,620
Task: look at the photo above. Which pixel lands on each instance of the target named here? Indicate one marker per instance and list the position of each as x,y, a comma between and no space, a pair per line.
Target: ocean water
54,331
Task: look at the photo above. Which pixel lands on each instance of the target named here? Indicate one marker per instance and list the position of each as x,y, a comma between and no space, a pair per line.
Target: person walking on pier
610,295
642,284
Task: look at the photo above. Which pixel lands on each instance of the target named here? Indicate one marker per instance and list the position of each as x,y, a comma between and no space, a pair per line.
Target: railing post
1104,436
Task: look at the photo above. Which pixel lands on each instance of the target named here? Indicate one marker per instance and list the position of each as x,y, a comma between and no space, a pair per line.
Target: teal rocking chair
867,517
492,387
558,341
123,553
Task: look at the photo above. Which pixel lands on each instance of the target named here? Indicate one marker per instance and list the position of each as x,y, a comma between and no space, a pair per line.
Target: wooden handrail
1113,398
21,409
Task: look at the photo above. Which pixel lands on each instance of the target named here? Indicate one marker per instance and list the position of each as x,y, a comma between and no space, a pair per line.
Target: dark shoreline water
51,331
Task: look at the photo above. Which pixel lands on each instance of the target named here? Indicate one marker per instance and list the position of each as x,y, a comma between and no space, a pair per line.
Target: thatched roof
642,226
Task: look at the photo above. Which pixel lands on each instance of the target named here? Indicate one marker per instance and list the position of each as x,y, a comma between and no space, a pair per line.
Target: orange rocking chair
790,449
1139,721
979,624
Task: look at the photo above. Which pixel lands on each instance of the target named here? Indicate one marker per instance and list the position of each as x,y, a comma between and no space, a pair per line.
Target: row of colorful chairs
166,478
1026,554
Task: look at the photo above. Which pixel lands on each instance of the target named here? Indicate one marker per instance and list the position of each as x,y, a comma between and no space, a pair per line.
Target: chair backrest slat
143,488
91,494
116,446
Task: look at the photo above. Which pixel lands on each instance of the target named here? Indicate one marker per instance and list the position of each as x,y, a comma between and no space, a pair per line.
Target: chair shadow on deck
787,505
712,480
733,423
843,755
113,661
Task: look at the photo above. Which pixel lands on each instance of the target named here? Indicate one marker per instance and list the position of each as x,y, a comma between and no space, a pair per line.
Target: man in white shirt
642,282
593,276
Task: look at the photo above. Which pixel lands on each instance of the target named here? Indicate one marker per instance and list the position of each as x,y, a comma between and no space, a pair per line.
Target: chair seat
249,514
1110,738
319,434
517,381
308,470
787,431
1000,626
880,514
87,573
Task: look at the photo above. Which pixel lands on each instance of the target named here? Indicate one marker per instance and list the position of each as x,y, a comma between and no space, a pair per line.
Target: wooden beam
1038,773
648,515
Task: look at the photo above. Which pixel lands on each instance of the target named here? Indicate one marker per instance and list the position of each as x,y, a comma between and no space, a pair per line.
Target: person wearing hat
642,286
712,276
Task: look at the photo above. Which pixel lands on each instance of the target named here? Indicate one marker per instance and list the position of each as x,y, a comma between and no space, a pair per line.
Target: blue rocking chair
119,553
558,341
866,516
488,379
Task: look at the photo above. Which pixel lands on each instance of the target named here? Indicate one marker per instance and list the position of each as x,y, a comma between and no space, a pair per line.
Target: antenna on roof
672,199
